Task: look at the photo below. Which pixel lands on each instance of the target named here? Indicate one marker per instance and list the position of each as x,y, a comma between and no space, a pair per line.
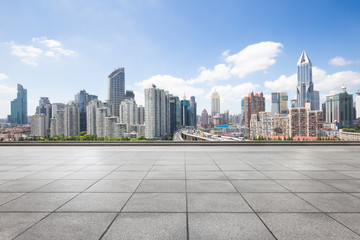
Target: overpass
192,137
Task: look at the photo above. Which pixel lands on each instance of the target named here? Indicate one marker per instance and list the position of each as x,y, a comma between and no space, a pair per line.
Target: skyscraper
71,120
215,103
305,87
116,90
339,109
129,94
175,113
204,119
19,107
157,113
357,103
91,116
279,103
254,103
128,113
82,99
46,109
38,125
185,112
192,108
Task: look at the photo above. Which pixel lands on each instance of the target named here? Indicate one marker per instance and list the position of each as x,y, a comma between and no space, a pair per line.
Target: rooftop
180,192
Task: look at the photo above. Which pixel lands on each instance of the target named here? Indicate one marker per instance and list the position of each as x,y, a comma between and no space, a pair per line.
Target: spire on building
303,58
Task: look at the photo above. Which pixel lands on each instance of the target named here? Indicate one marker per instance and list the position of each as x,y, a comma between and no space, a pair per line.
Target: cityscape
179,120
119,116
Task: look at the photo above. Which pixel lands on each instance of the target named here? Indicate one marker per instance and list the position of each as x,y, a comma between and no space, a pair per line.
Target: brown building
254,103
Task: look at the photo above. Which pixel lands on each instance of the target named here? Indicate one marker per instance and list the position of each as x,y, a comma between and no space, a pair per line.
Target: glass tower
19,107
305,86
116,90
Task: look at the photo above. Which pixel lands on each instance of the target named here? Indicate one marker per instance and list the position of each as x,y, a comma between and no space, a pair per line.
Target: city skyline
242,57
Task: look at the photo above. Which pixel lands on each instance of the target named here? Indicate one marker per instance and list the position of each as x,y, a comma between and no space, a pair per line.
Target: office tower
204,119
192,109
71,120
305,87
175,113
279,103
116,90
157,111
19,107
254,103
82,99
357,104
141,114
101,114
339,109
128,112
38,125
215,104
129,94
45,108
91,116
293,103
55,107
185,112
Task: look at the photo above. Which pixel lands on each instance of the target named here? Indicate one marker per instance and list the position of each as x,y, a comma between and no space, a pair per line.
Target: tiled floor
180,192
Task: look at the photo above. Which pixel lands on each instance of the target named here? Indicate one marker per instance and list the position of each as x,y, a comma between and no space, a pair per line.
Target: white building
38,125
101,114
71,120
91,116
157,112
357,103
110,126
128,112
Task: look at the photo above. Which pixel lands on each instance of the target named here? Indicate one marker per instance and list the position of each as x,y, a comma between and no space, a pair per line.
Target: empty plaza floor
180,192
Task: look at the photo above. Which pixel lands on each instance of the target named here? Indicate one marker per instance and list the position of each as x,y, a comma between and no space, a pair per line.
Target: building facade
116,89
215,104
38,125
45,108
175,113
357,105
253,104
279,103
305,86
82,99
19,107
192,109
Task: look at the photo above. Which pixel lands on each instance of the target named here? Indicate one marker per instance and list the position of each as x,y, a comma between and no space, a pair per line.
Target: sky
55,48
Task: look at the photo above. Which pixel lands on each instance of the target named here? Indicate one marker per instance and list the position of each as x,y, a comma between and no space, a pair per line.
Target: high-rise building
305,122
305,87
71,120
129,94
141,115
192,109
293,103
58,123
38,125
45,108
175,113
339,109
157,113
128,113
101,114
185,112
116,90
357,104
82,99
55,107
110,126
91,116
19,107
204,119
279,103
215,104
254,103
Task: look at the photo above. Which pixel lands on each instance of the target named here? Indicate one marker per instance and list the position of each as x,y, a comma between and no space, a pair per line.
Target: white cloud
230,94
283,83
255,57
339,61
220,72
3,76
176,86
45,47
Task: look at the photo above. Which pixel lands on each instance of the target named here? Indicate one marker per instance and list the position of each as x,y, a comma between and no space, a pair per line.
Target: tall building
55,107
279,103
215,104
58,123
101,114
185,112
305,86
91,116
38,125
175,113
116,89
45,108
357,104
71,120
293,103
157,112
339,109
204,119
82,99
141,115
129,94
192,108
254,103
305,122
19,107
128,112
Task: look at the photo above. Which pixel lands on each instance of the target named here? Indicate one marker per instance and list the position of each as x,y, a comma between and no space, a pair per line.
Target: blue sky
56,48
